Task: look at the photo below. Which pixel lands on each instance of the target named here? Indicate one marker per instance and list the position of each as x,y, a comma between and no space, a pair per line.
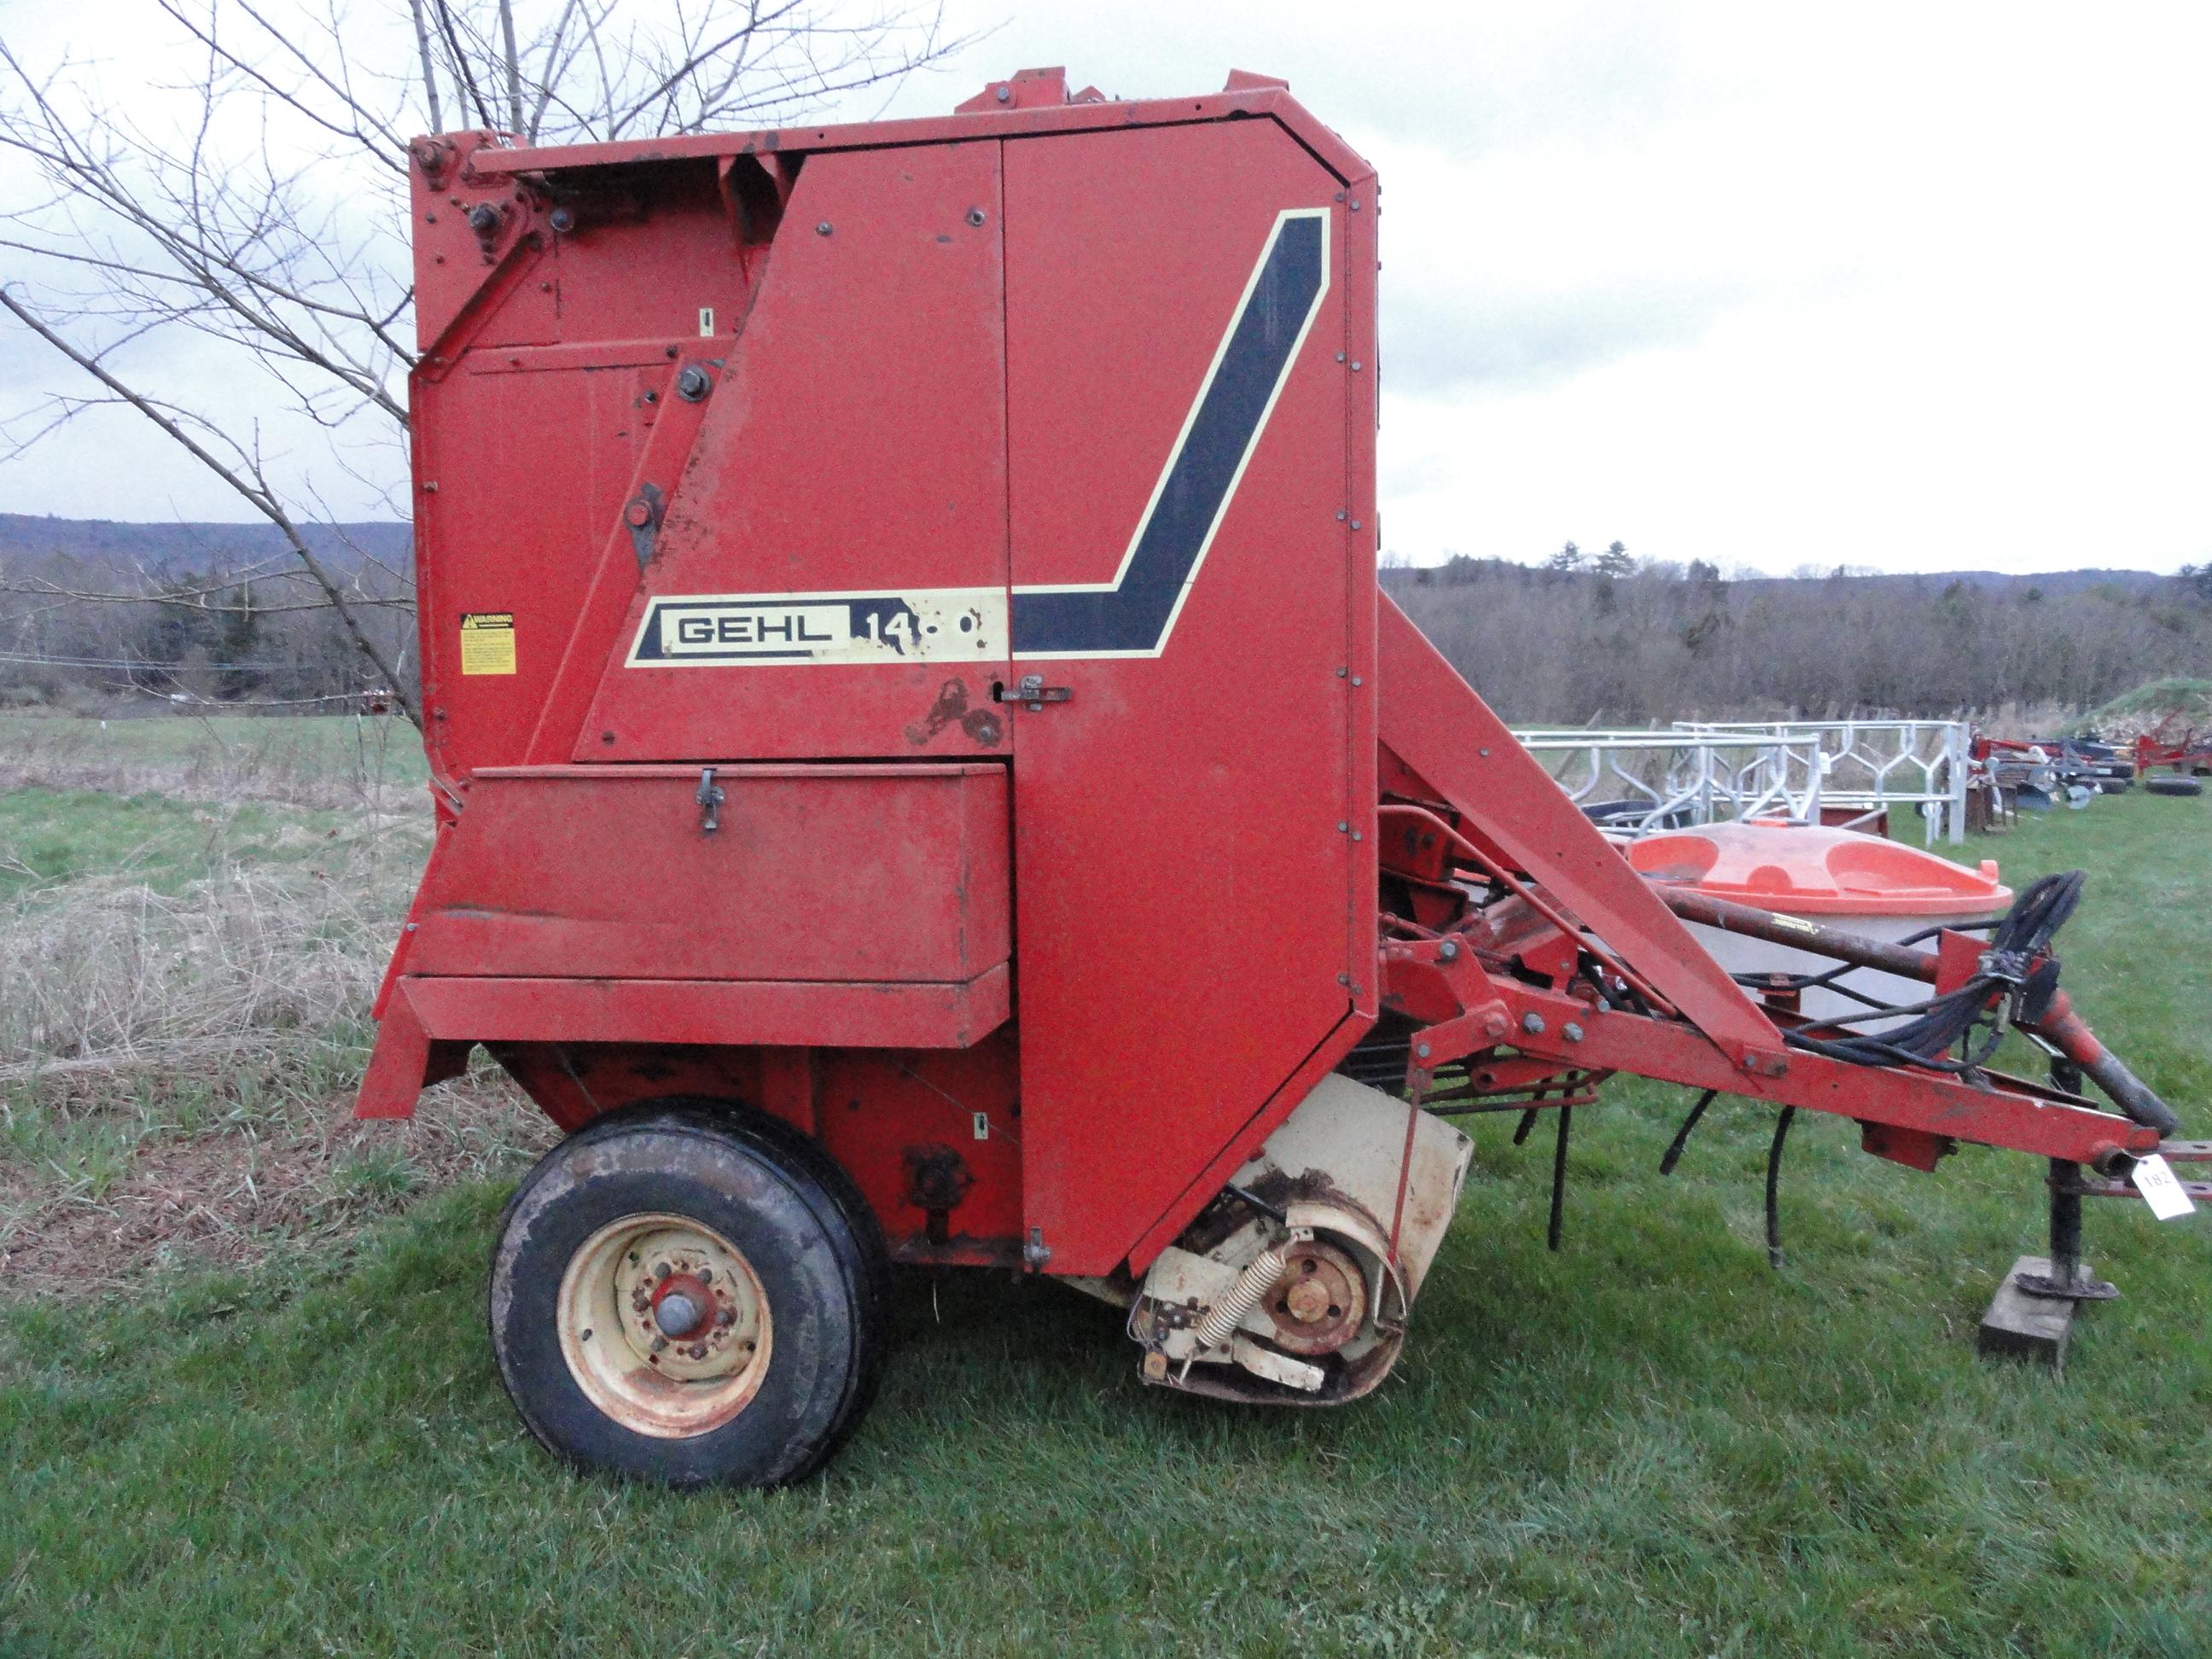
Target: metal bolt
1449,948
1344,979
1002,94
1355,678
975,216
1339,515
1355,835
562,220
1485,753
1355,524
661,1270
484,218
1533,1024
1572,1032
1341,673
1355,368
821,230
412,925
1355,204
1340,357
693,383
1425,1051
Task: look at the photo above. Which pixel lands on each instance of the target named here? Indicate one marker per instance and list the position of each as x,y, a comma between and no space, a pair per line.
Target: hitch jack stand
2032,1316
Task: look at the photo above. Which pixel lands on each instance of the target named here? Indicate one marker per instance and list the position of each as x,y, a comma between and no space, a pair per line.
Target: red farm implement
925,775
2182,749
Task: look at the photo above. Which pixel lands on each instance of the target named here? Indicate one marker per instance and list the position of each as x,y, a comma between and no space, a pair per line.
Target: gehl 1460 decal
1131,615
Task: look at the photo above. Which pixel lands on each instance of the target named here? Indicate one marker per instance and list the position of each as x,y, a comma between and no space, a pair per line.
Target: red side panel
1186,912
873,874
532,453
849,482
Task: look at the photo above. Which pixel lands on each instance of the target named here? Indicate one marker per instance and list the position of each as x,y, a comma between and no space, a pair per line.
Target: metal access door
827,579
1188,910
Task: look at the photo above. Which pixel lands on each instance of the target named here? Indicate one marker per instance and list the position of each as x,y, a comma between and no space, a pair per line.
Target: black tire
2174,786
2114,785
799,1227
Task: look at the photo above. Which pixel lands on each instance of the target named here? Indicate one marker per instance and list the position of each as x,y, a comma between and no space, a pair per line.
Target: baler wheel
690,1293
2174,786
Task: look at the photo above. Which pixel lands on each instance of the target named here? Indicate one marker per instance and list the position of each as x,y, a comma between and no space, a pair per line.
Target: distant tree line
1604,639
100,634
1582,638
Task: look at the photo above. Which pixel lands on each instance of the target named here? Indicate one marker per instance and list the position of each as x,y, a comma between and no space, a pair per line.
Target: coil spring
1223,1318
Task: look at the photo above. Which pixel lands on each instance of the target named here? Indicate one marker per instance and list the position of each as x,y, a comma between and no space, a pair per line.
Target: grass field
1646,1443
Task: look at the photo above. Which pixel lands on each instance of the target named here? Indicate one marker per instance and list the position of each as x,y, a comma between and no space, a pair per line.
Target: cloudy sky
1910,286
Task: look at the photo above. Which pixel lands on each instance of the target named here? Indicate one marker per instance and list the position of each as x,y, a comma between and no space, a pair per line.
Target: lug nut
1533,1024
1572,1032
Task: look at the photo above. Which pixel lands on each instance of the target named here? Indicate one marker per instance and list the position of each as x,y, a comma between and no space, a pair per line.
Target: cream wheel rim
664,1325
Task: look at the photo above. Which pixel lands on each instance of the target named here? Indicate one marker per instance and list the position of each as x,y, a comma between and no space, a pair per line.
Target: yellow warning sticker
487,641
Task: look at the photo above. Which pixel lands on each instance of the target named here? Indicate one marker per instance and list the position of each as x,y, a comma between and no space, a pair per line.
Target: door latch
710,799
1032,693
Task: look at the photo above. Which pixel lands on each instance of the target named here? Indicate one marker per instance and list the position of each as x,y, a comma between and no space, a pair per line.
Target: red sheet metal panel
829,576
874,874
530,467
709,1012
1178,409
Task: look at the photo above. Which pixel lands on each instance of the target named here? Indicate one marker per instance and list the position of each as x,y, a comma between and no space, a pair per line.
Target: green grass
53,836
2191,699
1645,1443
289,752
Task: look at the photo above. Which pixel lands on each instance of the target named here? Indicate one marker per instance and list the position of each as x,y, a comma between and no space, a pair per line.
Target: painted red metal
902,650
2174,742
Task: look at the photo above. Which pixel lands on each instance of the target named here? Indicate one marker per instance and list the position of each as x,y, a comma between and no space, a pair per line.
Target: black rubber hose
1773,1185
1558,1179
2023,932
1682,1135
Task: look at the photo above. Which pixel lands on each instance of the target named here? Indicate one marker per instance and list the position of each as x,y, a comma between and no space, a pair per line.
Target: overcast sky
1910,286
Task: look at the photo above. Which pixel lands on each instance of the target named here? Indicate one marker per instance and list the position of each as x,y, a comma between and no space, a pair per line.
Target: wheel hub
665,1325
681,1305
1321,1300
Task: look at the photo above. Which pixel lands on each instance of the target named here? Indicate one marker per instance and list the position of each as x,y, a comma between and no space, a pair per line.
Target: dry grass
363,761
249,966
184,1010
234,1197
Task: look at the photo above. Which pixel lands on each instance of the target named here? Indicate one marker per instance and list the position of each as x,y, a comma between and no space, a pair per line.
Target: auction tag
2154,1179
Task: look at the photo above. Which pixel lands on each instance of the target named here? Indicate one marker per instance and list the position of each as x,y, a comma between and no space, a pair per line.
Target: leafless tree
259,198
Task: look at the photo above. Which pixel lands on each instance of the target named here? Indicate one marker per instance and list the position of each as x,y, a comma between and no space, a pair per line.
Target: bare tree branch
250,486
262,203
